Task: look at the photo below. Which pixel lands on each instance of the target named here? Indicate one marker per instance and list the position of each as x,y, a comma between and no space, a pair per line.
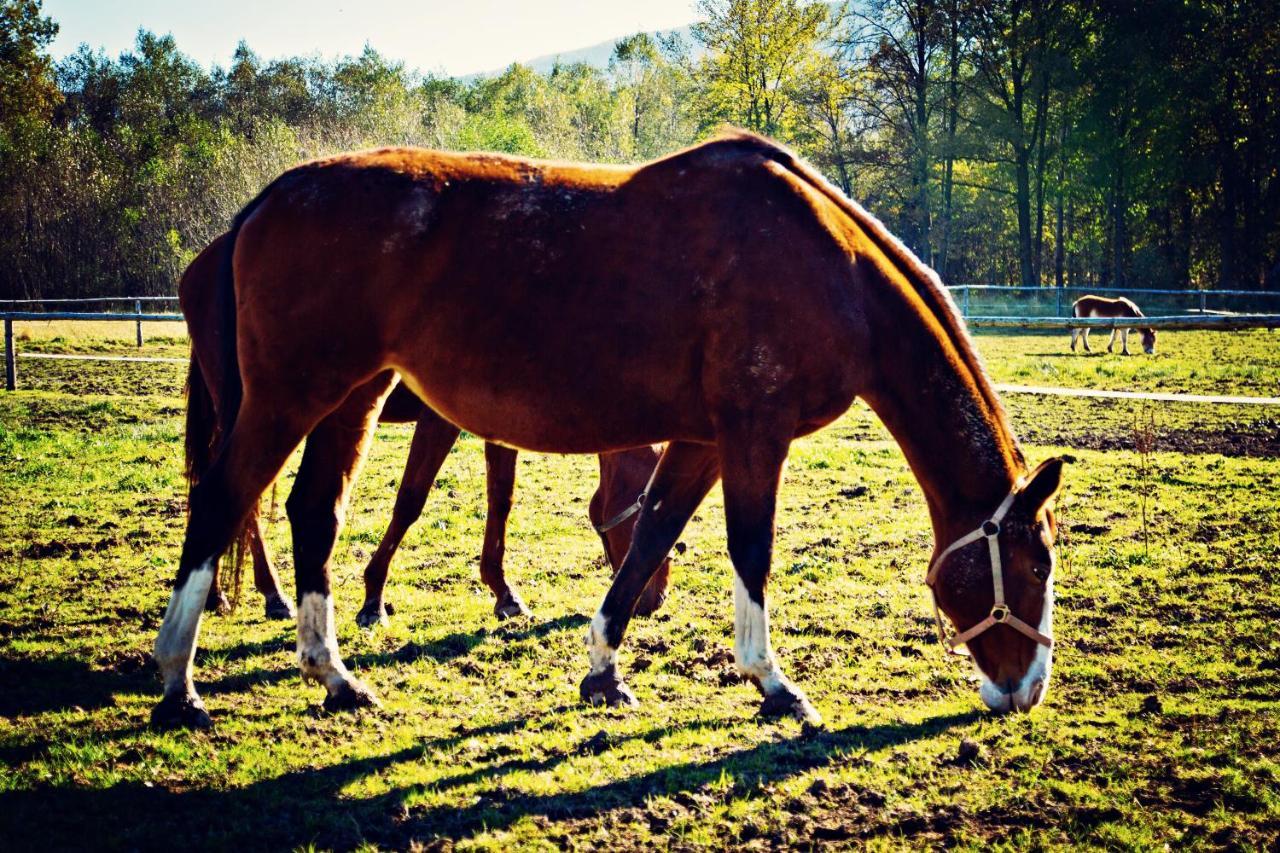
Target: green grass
1161,727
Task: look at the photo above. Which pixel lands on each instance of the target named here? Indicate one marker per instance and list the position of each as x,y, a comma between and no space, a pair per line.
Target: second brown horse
623,476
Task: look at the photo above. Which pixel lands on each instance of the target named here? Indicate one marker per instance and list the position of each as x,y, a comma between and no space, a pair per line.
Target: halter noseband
1000,612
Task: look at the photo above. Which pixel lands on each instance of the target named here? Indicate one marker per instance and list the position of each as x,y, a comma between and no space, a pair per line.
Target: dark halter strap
622,516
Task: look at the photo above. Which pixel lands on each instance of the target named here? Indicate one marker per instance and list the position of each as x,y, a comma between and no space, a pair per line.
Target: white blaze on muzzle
1000,613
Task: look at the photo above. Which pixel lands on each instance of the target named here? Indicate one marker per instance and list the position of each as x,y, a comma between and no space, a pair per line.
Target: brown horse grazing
623,475
1101,306
725,299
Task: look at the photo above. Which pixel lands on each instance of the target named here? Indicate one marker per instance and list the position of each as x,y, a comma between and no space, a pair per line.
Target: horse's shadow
30,687
460,643
316,808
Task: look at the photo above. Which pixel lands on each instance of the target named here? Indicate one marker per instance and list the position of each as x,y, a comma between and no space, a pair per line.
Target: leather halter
1000,613
622,516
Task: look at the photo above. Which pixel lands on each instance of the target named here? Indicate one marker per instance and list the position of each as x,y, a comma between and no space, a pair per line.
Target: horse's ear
1043,483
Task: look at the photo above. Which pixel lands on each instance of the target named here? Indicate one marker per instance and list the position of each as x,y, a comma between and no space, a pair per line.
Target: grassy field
1161,727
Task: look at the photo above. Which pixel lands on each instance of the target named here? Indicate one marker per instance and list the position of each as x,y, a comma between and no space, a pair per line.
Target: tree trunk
1042,124
923,237
953,96
1059,250
1023,170
1120,225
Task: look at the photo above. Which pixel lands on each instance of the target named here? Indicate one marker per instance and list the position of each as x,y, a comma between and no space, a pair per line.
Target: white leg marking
1124,341
751,649
176,643
603,656
318,642
1034,686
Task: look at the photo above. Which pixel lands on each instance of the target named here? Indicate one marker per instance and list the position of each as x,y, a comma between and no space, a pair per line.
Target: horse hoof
789,702
180,712
606,688
510,607
351,696
277,608
217,603
372,615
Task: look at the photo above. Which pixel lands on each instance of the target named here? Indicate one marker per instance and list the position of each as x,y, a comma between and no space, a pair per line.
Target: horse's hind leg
683,477
265,579
432,439
316,508
1085,338
253,454
1124,341
500,475
751,464
1111,340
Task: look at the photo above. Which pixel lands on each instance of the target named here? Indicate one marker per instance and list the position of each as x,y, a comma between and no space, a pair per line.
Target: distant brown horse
1101,306
623,475
725,300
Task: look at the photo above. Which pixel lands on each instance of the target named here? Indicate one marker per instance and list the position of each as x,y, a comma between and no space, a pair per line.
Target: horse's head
614,509
1148,341
996,585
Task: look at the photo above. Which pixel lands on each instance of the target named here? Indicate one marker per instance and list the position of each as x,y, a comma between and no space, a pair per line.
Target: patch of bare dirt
1261,439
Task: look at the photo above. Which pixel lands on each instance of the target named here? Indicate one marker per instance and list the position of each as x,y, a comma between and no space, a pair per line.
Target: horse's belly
549,417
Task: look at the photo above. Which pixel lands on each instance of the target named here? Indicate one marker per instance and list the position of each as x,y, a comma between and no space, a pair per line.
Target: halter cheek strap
1000,613
622,516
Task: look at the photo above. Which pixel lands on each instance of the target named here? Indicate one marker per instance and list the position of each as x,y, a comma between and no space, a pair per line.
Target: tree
757,51
28,90
902,40
1012,55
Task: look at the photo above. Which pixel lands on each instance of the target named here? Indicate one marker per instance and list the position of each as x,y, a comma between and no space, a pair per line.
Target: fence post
1202,295
137,307
1059,290
965,310
10,362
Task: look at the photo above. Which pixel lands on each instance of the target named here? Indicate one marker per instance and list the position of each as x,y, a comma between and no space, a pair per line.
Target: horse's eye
1041,572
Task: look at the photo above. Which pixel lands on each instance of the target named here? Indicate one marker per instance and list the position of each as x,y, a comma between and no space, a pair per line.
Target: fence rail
985,300
983,306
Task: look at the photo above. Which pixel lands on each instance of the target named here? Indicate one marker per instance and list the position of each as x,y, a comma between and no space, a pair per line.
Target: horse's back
496,284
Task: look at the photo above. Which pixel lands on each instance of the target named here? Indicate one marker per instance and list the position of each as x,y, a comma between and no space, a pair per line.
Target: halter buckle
990,528
1000,612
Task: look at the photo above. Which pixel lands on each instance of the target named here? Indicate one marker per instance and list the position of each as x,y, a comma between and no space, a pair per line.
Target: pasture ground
1161,727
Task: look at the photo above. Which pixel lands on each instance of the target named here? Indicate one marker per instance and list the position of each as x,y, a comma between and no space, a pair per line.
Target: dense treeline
1036,141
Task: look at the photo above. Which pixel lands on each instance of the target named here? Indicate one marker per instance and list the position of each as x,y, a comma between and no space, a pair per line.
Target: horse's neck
938,410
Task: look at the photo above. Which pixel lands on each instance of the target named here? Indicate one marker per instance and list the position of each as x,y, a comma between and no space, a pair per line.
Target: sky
455,37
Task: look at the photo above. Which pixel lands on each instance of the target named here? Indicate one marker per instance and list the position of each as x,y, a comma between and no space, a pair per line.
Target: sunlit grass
1161,727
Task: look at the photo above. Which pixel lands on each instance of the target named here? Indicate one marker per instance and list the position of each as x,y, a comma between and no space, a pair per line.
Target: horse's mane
924,280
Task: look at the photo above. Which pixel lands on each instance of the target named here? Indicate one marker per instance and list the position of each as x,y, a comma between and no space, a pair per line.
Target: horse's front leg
1111,340
684,475
433,437
1124,341
500,475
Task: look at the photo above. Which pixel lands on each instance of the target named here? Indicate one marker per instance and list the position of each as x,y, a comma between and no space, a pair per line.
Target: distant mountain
597,55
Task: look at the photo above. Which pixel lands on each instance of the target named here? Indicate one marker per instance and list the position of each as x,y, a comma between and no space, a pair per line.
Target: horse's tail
209,423
201,422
